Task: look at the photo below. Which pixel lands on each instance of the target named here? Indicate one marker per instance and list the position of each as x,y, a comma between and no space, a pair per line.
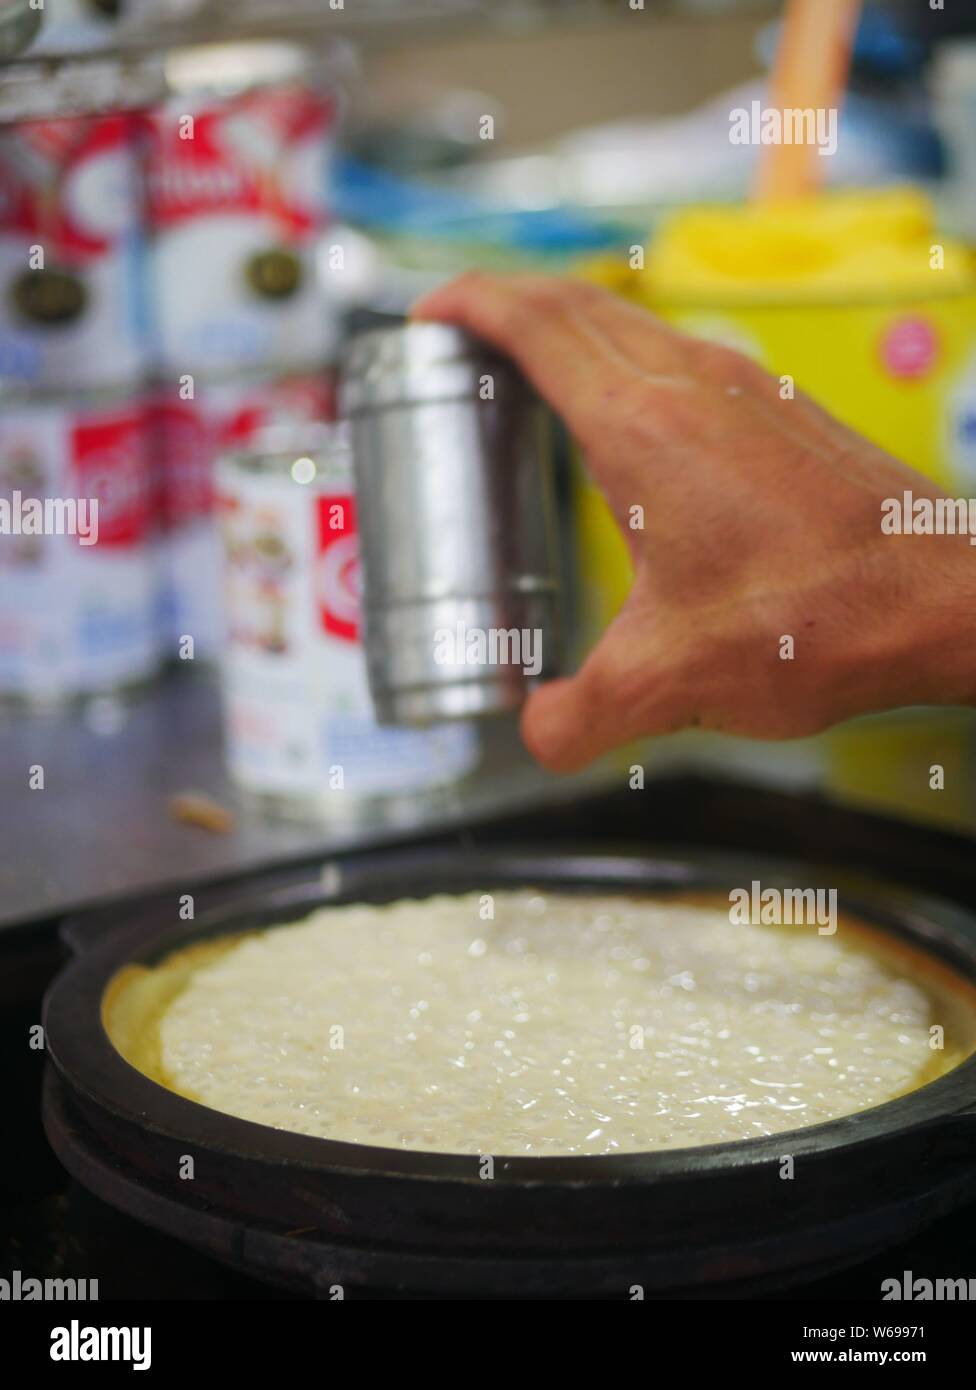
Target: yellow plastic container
919,763
870,311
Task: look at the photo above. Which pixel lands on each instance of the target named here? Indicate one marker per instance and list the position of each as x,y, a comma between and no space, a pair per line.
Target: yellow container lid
842,247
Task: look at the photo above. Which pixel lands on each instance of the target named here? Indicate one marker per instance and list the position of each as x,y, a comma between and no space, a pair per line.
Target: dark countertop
101,827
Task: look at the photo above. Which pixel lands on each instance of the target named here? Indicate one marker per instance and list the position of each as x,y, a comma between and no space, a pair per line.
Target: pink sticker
909,347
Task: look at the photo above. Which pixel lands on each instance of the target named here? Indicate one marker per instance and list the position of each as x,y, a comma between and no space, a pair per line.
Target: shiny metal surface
455,499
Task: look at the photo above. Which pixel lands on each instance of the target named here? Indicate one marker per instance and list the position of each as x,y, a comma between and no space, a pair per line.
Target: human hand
761,520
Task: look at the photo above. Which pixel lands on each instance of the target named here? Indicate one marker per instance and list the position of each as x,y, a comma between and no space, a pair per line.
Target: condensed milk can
302,739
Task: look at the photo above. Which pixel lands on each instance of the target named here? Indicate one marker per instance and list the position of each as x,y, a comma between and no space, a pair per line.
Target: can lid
228,68
413,363
224,70
33,92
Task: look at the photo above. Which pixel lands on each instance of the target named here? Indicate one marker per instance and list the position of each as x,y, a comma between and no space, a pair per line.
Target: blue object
363,194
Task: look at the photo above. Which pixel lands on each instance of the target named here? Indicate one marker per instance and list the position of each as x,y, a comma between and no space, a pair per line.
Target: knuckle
647,412
513,317
585,292
530,306
546,297
469,280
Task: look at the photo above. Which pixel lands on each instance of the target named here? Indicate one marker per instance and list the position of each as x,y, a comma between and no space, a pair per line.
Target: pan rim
104,1079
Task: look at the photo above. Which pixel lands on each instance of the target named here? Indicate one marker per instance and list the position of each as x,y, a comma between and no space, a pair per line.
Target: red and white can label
337,579
76,610
299,714
188,436
237,203
72,262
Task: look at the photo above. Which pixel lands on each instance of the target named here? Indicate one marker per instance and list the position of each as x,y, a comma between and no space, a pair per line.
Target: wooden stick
810,73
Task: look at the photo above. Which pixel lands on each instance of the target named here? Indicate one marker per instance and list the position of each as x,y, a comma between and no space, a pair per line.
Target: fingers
660,352
493,305
550,328
531,319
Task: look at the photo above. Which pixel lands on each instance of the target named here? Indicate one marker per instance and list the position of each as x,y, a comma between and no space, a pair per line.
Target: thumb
618,694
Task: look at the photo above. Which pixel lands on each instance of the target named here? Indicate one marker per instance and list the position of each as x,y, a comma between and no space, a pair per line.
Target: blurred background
201,199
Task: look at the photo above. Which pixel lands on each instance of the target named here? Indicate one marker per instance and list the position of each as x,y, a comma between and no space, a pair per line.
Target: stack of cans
237,173
160,300
77,582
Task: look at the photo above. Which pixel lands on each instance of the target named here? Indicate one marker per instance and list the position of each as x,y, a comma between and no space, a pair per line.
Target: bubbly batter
568,1024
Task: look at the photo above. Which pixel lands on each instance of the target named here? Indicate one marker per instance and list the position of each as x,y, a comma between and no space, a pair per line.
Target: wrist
923,642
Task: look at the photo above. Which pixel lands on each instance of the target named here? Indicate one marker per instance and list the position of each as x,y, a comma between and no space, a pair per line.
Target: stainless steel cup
454,493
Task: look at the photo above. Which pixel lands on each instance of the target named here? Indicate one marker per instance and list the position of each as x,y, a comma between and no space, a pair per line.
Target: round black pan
310,1213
